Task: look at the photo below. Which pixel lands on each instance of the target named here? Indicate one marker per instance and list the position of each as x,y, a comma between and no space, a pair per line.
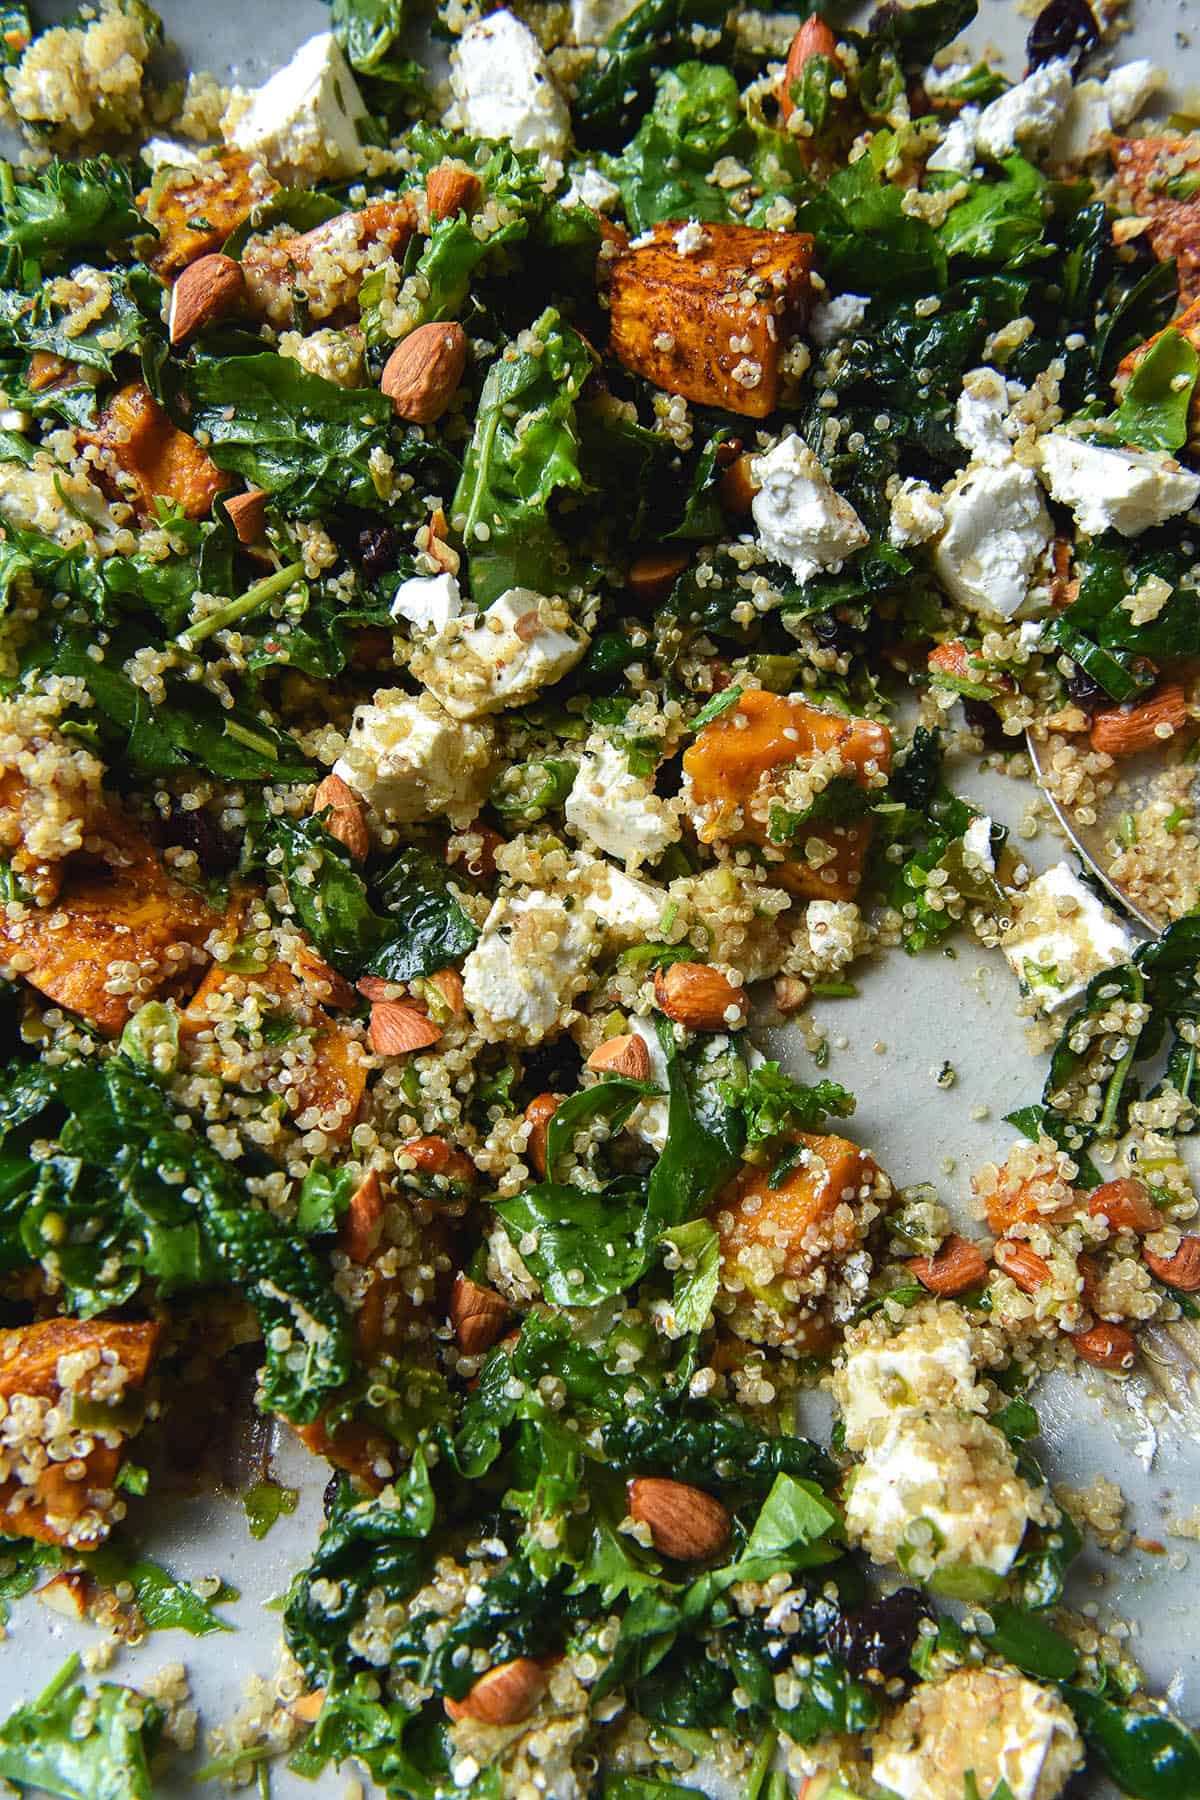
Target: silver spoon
1090,841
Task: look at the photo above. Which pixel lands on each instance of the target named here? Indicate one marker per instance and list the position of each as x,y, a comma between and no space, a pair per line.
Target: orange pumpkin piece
194,210
1018,1199
160,461
129,913
69,1501
1145,167
771,1235
737,763
329,263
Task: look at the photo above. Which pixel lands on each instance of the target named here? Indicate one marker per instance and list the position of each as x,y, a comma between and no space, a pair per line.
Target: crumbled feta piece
979,417
991,1724
428,601
502,657
590,188
627,911
1061,936
533,956
997,531
1115,489
168,153
691,238
1131,87
304,122
801,521
649,1121
977,840
957,153
837,318
1085,127
410,760
617,811
504,88
1028,115
917,514
835,934
1030,634
593,20
926,1365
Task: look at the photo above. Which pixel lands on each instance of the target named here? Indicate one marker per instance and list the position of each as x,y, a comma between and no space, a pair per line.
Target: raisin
1082,687
376,550
198,831
880,1638
1064,28
986,721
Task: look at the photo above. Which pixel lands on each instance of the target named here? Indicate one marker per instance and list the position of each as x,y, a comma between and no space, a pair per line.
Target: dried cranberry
1064,28
880,1638
986,721
376,549
198,830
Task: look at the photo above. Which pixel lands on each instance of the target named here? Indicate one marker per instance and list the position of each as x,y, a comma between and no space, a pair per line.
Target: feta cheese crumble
802,522
1028,115
997,531
304,122
836,318
617,811
1061,936
504,89
1115,489
428,602
533,956
501,657
410,760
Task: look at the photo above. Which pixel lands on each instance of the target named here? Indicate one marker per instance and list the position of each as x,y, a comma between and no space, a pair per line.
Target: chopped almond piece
160,461
711,323
361,1225
1126,730
956,1267
194,211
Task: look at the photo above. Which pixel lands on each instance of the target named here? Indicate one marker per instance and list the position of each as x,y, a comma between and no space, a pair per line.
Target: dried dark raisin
376,550
1066,29
880,1638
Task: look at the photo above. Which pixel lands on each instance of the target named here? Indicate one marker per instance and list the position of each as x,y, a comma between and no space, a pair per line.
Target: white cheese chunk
590,188
1028,115
836,318
1061,936
835,933
502,657
957,153
593,20
168,153
997,531
1085,127
617,811
917,514
54,501
979,417
977,841
304,122
533,956
802,522
649,1122
410,760
627,911
1115,489
1132,86
428,601
504,88
991,1724
927,1364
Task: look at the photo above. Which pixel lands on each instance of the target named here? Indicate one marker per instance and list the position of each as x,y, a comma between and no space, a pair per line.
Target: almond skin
1023,1265
539,1113
814,38
330,988
247,514
503,1696
478,1316
205,291
346,821
422,374
451,188
955,1267
395,1029
1180,1271
434,1156
625,1055
361,1225
1124,730
1126,1204
699,997
685,1522
1106,1346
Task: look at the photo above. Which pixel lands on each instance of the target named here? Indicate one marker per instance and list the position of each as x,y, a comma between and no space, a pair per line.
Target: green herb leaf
41,1745
1156,404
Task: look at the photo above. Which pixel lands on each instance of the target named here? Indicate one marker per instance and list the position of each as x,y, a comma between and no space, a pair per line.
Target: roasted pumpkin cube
1026,1190
706,312
56,1478
113,937
194,210
159,460
772,1236
327,265
323,1066
735,775
1147,168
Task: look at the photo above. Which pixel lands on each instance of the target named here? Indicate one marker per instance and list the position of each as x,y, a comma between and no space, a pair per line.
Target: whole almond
956,1266
346,821
422,374
1125,730
1106,1346
247,514
503,1696
814,38
478,1316
361,1225
626,1055
539,1113
685,1523
1180,1271
205,291
1126,1204
699,997
452,188
1022,1265
396,1028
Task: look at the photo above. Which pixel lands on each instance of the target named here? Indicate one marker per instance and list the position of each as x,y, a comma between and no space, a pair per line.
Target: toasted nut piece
66,1593
422,374
448,984
685,1522
478,1315
1106,1346
452,188
539,1113
434,1156
1089,1279
503,1696
346,821
305,1709
1023,1265
330,988
791,995
374,987
737,486
361,1225
1124,730
653,574
1126,1204
1180,1271
247,514
699,997
204,292
396,1028
814,38
956,1266
626,1055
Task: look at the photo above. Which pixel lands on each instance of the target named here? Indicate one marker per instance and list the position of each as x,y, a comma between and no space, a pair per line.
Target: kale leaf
63,211
1157,401
663,172
613,91
1149,1755
771,1103
42,1746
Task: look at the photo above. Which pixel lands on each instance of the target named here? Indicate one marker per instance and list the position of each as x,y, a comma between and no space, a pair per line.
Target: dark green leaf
42,1746
1149,1755
1157,401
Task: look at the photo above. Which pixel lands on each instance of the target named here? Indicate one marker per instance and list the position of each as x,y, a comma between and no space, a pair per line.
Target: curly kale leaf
658,34
771,1103
65,210
42,1746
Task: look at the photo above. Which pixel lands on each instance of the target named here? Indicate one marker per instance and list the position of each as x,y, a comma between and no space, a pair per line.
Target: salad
507,561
